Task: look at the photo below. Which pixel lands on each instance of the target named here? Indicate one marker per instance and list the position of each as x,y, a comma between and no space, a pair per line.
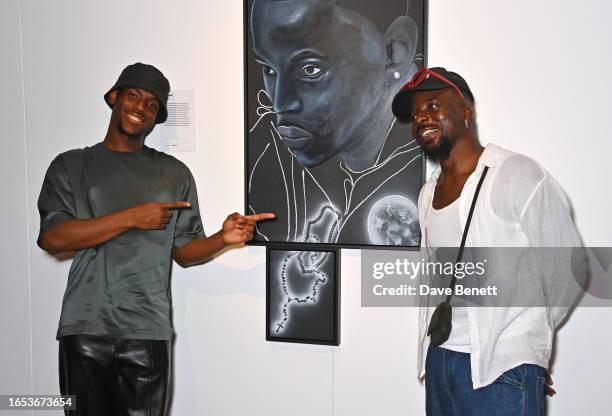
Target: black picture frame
349,242
315,318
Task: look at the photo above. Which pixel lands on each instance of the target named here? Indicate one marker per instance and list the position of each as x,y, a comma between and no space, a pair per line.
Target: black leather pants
115,377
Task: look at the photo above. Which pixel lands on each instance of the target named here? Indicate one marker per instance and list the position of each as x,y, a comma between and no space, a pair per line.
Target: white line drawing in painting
311,274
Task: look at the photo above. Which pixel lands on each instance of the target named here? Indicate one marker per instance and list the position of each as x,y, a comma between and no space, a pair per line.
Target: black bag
441,325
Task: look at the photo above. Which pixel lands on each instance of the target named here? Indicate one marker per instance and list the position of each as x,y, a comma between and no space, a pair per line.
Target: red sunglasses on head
424,73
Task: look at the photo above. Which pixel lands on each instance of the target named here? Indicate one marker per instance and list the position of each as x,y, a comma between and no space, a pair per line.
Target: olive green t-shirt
120,288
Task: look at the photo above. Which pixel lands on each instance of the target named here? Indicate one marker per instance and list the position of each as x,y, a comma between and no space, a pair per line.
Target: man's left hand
548,382
239,228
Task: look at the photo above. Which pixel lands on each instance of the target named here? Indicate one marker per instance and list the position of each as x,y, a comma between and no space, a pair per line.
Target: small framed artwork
303,295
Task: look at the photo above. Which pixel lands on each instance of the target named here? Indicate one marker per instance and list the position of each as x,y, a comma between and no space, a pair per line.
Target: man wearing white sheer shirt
494,360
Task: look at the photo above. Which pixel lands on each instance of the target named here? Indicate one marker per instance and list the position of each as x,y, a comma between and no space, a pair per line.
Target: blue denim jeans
449,392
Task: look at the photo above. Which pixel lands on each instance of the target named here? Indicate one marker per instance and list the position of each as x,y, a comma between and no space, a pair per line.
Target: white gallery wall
15,342
540,74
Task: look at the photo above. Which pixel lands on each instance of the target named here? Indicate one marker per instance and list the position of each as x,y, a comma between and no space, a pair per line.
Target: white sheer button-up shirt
520,205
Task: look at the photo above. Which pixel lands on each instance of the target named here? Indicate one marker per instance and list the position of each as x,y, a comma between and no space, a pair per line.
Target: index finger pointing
175,205
262,216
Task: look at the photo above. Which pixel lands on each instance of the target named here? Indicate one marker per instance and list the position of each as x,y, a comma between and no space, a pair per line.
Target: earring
467,124
396,75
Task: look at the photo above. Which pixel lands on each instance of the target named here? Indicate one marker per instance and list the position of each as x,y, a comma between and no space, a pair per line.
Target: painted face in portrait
330,74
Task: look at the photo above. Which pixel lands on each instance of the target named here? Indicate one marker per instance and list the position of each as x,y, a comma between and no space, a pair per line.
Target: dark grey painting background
307,322
382,13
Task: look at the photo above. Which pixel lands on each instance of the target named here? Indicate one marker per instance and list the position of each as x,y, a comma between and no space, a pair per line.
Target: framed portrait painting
323,149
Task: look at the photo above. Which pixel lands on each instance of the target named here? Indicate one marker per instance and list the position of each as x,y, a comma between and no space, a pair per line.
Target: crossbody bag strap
465,230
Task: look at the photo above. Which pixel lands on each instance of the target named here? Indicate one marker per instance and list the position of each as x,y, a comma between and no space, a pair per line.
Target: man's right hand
154,215
80,234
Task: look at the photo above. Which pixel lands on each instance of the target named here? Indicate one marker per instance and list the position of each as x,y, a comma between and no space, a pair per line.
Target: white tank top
444,230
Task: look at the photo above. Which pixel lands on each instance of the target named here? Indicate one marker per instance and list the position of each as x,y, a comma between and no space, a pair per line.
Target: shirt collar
491,156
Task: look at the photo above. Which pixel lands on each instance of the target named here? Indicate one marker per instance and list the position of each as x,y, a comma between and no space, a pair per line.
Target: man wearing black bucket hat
484,360
126,210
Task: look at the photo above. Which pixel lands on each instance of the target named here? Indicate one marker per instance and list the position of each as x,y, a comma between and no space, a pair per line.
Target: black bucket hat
148,78
427,79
